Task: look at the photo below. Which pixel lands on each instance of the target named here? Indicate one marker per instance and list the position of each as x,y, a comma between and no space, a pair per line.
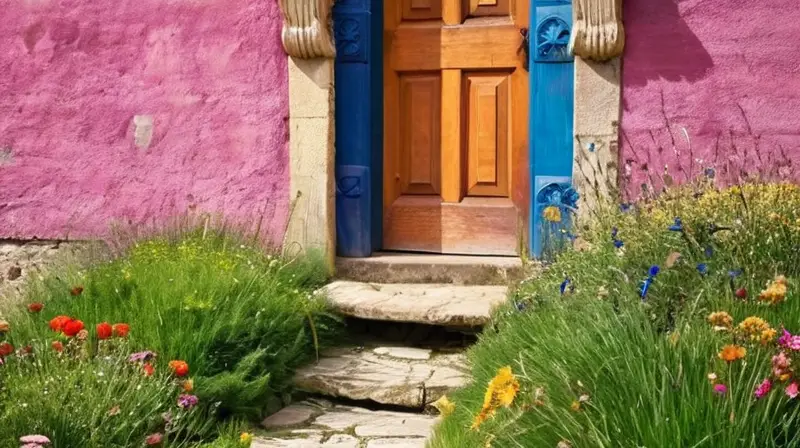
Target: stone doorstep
399,376
388,267
321,424
447,305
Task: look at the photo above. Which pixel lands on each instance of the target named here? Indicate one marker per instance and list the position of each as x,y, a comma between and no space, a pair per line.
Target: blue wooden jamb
357,26
551,123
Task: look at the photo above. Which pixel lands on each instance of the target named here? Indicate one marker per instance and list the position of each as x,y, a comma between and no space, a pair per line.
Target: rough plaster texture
311,122
728,72
597,114
140,110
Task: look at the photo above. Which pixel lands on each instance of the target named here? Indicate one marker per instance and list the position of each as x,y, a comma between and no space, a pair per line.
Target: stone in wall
21,261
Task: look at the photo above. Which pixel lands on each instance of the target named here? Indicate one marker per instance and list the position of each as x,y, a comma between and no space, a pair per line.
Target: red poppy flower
121,330
104,330
179,368
76,291
35,307
149,370
57,323
741,293
6,348
72,328
153,439
58,346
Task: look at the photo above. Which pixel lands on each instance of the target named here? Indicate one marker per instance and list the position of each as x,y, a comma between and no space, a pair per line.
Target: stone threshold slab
400,376
446,305
321,424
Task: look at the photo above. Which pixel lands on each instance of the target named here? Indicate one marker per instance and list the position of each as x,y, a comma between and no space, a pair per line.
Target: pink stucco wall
726,71
73,74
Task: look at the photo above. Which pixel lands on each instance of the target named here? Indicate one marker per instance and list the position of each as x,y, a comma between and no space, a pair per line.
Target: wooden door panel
488,106
453,137
420,112
421,9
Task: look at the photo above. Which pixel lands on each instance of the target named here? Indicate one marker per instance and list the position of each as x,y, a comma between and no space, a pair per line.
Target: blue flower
702,268
677,226
710,173
564,285
645,288
521,306
618,243
654,270
614,232
709,251
735,273
625,207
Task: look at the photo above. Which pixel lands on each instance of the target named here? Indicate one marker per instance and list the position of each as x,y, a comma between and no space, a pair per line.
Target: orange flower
6,349
149,370
720,320
73,327
121,330
76,291
775,292
57,323
732,353
58,346
179,368
104,330
188,386
35,307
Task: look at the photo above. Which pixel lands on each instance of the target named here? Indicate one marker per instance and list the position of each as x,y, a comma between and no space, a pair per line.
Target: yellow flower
5,327
246,438
444,406
768,336
552,214
775,292
720,319
732,353
575,406
501,392
188,385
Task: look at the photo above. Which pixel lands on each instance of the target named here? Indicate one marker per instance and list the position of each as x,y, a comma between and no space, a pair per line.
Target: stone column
308,41
597,41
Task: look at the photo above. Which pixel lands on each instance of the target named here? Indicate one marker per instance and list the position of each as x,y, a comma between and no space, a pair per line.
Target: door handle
525,46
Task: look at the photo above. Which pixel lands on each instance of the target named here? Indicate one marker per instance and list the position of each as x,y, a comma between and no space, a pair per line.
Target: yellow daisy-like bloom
768,336
500,393
552,214
731,353
444,406
246,438
775,292
720,319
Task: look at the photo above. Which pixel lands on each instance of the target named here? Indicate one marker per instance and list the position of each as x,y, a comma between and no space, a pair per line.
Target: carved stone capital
307,28
597,30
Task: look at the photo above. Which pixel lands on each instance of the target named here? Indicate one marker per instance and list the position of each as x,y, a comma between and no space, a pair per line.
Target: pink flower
780,366
792,390
154,439
763,388
187,401
720,389
34,438
792,342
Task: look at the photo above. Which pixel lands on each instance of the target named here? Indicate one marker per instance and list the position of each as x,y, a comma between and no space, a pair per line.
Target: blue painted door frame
358,30
551,124
358,73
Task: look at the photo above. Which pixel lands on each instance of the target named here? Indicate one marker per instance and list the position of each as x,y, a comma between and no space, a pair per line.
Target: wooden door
455,126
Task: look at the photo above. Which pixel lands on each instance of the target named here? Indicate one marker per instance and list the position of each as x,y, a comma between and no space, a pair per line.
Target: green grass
644,365
242,318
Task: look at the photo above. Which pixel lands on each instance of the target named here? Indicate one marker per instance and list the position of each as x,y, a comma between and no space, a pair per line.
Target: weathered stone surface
365,375
345,427
289,416
430,268
403,352
22,260
450,305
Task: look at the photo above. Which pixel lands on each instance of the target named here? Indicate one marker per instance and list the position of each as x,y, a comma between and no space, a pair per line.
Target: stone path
449,305
401,376
320,423
380,374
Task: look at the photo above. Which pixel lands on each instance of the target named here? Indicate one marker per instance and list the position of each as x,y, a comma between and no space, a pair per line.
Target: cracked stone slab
333,426
411,378
448,305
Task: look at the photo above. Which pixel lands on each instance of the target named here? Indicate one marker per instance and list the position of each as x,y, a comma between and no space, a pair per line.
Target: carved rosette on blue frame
552,40
556,204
